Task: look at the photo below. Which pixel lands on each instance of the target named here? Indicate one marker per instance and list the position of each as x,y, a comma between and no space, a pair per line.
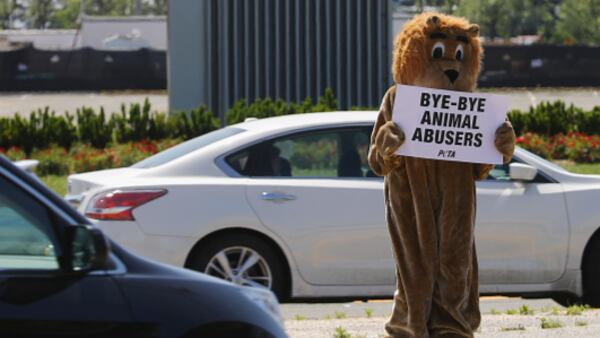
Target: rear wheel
591,274
244,260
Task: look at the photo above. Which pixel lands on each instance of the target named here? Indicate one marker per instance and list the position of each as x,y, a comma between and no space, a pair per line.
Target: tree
154,7
108,7
579,22
40,12
508,18
66,15
10,10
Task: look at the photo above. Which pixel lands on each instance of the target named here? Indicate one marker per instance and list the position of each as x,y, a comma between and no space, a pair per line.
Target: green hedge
262,108
44,128
135,123
551,118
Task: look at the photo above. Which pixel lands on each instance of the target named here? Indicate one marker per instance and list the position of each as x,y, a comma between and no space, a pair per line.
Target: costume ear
473,30
433,21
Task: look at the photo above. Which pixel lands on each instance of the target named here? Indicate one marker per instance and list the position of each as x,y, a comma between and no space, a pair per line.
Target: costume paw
388,139
505,141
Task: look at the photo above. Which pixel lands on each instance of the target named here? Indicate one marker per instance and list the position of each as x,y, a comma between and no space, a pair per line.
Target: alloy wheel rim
241,266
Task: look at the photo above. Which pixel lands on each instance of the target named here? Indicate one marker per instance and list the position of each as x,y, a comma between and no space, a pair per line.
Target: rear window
187,147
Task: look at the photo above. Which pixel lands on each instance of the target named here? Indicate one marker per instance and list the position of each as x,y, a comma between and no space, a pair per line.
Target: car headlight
265,299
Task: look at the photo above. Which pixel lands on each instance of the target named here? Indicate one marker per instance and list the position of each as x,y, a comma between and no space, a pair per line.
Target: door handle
276,196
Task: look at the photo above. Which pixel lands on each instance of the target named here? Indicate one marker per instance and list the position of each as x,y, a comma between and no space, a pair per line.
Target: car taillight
117,205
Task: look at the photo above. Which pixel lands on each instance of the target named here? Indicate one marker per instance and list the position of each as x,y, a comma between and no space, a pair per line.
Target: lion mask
437,51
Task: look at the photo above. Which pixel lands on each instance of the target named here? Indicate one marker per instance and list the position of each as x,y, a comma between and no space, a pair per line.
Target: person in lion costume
430,204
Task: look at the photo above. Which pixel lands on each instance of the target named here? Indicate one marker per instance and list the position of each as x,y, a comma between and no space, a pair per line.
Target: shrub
85,158
14,153
136,123
56,160
133,124
576,147
267,107
52,161
552,118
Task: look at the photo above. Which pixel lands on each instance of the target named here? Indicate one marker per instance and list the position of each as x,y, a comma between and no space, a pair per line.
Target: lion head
437,51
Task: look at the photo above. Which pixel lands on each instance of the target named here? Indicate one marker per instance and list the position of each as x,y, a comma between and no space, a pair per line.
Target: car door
315,190
521,229
37,296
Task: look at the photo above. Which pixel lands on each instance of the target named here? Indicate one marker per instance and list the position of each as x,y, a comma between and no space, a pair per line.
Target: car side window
321,154
26,232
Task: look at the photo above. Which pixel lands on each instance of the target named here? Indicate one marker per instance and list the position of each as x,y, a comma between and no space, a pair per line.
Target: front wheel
591,274
243,260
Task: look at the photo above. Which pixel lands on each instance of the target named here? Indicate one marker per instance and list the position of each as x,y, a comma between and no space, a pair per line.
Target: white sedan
289,203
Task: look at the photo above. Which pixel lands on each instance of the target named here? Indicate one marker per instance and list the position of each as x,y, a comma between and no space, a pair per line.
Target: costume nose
451,74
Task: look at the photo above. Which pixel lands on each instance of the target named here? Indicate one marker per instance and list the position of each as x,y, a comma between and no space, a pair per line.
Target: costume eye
459,53
438,50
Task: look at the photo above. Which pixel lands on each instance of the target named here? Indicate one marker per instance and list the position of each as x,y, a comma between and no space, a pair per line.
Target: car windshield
187,147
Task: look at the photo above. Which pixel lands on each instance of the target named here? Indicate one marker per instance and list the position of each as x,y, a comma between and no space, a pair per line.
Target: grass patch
575,310
58,184
495,312
525,310
580,168
340,315
555,311
299,317
340,332
520,327
581,323
369,312
546,323
511,312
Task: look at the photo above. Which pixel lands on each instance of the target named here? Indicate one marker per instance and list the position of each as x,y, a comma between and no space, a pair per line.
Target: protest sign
449,125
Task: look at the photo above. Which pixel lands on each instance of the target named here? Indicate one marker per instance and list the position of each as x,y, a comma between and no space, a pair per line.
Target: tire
235,250
591,274
566,299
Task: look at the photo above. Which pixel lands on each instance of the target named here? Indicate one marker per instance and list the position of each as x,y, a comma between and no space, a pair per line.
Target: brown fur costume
430,204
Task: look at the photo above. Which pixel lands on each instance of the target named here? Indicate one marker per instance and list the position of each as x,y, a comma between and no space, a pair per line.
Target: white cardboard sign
449,125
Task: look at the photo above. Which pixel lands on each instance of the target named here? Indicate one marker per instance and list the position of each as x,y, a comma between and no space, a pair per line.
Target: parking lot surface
10,103
502,317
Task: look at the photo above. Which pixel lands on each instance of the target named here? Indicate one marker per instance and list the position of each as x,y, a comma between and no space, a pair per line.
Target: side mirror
522,172
88,246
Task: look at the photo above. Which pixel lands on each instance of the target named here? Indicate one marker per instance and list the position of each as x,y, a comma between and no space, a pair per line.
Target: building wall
94,30
44,39
224,50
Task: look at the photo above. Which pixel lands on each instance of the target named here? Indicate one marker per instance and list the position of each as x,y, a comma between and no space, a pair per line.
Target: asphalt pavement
382,308
10,103
501,317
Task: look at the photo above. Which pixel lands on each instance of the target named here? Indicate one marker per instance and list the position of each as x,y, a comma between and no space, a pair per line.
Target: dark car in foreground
60,276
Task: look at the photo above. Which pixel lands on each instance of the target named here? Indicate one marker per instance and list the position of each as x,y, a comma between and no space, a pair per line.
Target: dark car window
322,154
187,147
26,233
